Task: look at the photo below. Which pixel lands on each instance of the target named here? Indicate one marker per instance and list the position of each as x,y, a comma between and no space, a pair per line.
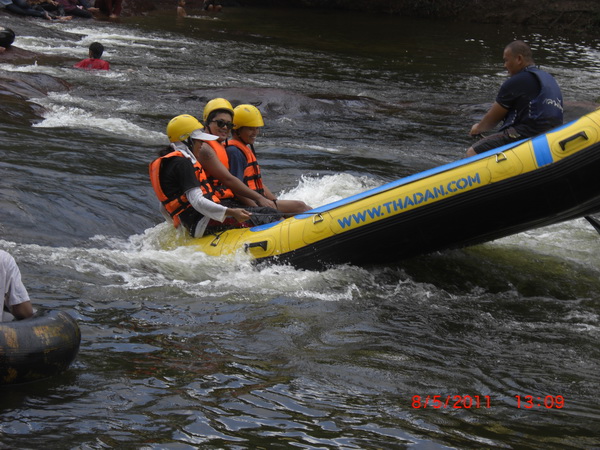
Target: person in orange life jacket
94,62
218,116
242,158
180,185
528,103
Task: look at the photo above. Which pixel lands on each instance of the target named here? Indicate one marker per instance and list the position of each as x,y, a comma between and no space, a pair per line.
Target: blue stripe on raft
406,180
541,150
542,154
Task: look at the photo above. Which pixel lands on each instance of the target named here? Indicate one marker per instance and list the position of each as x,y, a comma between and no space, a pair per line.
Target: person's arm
212,209
22,310
241,215
205,206
213,166
492,118
268,193
16,297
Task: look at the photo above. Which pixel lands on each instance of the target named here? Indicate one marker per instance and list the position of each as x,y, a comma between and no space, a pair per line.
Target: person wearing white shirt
15,295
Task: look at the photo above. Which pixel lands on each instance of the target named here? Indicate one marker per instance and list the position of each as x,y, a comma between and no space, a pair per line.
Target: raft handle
563,144
317,218
500,157
261,244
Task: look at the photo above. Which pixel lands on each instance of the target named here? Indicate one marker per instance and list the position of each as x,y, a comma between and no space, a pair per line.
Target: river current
180,350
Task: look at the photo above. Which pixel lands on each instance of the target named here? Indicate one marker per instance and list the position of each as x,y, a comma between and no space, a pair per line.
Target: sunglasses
221,123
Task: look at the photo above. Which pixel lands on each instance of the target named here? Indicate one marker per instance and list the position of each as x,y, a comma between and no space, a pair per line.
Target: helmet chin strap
189,143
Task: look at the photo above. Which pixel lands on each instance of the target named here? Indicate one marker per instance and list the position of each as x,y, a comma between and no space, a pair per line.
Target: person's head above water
7,37
96,50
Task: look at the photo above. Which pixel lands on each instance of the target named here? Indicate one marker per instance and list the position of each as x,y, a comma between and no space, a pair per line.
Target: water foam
66,110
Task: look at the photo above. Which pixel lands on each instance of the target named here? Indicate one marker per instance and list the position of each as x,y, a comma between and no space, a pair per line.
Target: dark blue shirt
237,161
533,100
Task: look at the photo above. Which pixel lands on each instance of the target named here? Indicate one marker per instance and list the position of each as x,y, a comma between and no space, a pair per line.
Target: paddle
595,222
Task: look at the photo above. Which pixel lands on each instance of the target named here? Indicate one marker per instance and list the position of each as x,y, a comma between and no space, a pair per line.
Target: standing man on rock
112,8
529,103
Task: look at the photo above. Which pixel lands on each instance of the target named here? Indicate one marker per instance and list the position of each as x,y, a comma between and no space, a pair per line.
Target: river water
180,350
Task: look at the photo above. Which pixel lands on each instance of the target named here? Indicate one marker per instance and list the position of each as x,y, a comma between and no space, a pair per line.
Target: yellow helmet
181,127
247,116
214,104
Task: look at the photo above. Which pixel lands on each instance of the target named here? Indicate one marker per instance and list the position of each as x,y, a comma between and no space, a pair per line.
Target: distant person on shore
94,62
15,299
22,8
7,37
211,6
75,8
181,8
111,8
529,103
52,7
89,6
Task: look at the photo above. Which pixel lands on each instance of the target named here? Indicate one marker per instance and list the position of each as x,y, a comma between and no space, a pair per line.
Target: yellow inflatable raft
521,186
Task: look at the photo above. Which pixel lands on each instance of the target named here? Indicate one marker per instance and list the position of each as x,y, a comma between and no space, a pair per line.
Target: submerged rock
18,89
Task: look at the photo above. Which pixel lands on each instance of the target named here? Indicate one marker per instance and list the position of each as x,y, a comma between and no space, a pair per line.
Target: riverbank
572,16
569,16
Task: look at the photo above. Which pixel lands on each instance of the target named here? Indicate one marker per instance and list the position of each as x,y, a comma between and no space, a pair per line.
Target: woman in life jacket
247,121
179,182
232,192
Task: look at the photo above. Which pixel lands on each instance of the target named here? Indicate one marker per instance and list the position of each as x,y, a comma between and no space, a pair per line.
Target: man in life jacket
186,197
247,121
232,192
529,103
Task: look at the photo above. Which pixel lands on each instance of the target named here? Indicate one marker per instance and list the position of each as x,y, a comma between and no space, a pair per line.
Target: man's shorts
496,140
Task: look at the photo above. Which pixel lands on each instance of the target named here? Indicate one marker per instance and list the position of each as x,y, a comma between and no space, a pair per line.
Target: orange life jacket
252,176
177,204
220,189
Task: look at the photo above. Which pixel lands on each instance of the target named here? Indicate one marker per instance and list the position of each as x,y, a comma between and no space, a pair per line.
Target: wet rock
15,55
18,89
